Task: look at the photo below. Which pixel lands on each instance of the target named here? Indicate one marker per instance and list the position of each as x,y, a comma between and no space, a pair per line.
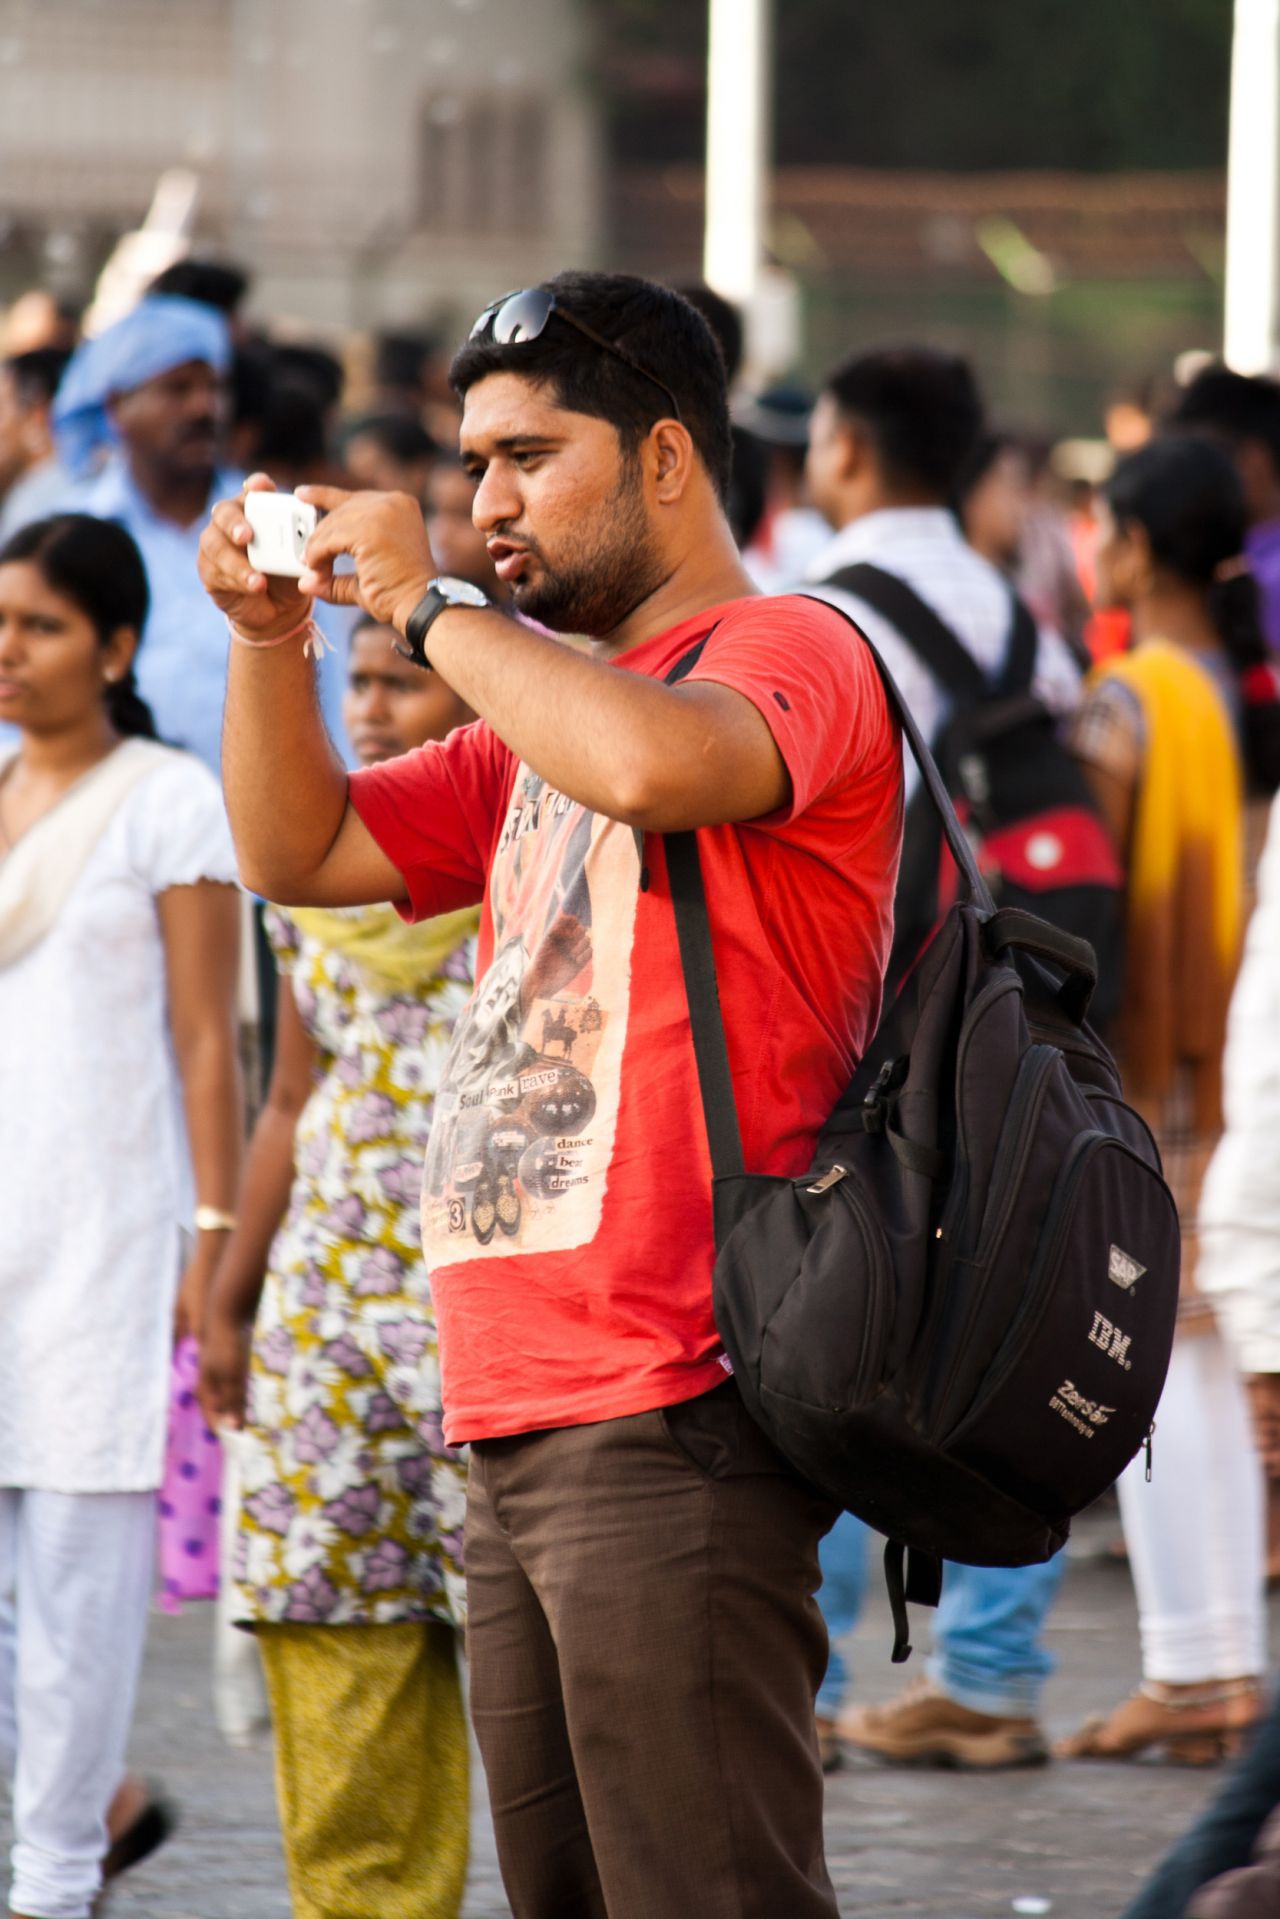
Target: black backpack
1037,833
958,1323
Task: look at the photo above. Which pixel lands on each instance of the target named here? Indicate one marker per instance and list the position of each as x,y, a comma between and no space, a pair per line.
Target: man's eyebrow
510,442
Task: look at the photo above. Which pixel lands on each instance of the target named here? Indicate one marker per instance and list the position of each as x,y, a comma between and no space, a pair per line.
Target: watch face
459,592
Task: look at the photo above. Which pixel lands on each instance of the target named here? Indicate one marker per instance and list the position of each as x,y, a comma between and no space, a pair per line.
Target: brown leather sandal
1192,1726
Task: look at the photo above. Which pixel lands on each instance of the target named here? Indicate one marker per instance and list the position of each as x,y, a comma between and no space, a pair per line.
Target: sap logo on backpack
1123,1269
1113,1342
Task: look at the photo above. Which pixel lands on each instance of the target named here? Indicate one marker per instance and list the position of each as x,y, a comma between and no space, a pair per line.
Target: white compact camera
282,524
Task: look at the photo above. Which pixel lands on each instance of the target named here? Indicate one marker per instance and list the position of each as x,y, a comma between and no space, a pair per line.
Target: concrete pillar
1251,329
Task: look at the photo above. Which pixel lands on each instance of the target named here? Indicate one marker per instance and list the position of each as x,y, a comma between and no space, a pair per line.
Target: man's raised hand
261,605
385,537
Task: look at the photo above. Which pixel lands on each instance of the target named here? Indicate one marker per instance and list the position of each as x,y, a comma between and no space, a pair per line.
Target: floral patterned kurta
353,1506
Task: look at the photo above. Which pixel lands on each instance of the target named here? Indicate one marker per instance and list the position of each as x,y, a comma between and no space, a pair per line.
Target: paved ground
902,1846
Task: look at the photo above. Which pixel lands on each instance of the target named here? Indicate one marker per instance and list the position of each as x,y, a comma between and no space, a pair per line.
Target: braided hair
95,565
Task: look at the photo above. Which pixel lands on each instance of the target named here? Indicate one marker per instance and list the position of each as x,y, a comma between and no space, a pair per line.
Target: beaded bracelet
314,647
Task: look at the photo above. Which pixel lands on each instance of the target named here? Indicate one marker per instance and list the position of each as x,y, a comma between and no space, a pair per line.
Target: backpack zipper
1027,1097
830,1178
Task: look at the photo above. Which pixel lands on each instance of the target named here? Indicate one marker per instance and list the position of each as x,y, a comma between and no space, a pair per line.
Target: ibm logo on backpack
1112,1341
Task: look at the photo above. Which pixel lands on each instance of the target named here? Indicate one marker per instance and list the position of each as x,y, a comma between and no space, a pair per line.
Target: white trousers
75,1589
1196,1533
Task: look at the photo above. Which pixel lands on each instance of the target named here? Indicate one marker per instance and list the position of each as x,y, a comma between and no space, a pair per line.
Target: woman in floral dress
349,1555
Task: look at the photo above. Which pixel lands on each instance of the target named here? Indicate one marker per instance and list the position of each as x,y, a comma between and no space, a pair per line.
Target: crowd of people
390,1106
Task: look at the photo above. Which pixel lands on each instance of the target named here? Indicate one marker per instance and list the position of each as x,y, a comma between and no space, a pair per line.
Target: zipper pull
1146,1447
829,1179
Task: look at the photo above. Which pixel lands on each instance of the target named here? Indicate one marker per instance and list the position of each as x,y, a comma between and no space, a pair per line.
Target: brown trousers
645,1650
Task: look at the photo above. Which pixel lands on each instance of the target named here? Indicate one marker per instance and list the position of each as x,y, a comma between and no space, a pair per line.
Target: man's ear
671,460
1258,475
855,450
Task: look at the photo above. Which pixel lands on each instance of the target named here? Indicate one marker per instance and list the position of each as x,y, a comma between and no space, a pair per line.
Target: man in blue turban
139,419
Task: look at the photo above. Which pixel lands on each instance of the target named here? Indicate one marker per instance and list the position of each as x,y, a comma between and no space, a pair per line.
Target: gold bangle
212,1219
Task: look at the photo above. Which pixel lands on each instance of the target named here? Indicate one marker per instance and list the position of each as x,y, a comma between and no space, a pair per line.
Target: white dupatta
38,875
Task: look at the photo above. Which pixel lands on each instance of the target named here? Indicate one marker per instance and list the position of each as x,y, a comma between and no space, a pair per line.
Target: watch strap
429,608
417,626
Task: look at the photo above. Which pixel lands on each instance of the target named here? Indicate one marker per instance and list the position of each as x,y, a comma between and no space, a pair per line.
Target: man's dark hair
214,283
314,365
400,360
725,321
920,408
292,427
656,327
1233,407
252,371
35,375
398,435
748,500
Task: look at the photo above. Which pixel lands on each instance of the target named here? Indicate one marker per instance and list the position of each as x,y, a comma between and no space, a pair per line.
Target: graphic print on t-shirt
524,1122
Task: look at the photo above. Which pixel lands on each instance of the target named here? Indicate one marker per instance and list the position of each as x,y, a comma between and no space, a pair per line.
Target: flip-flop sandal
157,1822
1142,1724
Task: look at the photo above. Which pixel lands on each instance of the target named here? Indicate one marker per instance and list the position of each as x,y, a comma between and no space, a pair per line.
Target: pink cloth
191,1496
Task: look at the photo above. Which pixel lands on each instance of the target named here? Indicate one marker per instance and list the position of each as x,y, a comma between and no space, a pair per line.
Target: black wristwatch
441,592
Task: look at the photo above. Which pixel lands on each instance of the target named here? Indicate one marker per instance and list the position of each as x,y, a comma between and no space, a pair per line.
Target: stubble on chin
614,569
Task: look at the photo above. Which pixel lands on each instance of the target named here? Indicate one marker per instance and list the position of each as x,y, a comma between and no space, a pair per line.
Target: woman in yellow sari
1177,737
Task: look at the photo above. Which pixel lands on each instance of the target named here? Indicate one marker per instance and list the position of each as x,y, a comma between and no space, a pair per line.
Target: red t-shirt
566,1207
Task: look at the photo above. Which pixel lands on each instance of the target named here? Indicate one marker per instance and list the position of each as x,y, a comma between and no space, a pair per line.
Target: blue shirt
182,662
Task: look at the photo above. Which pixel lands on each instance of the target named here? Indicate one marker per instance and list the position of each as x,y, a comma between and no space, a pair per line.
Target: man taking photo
644,1641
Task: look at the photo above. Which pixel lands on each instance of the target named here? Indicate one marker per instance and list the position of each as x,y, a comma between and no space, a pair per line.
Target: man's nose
497,502
372,704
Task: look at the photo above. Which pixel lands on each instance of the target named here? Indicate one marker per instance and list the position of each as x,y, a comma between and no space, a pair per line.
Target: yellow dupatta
1185,892
401,957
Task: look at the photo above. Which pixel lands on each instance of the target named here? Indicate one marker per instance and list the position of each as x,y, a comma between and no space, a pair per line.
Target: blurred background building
1041,186
366,159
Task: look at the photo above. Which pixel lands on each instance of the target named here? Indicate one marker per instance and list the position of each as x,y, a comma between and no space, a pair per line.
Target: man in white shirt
888,441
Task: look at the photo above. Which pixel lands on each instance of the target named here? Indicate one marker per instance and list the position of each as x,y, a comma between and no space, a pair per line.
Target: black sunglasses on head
520,317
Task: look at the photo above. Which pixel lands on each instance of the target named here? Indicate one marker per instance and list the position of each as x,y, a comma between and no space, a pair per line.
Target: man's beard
614,569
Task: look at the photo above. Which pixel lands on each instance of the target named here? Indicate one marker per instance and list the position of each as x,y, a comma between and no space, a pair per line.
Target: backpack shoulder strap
693,925
697,960
930,638
1024,643
697,955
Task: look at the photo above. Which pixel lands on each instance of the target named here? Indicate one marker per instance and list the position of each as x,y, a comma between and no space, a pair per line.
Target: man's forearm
617,742
286,788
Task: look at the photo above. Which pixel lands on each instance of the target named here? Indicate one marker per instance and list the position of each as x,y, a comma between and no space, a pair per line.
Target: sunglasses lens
522,317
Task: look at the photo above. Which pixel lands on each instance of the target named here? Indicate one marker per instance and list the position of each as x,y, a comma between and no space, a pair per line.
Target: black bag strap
909,1575
1024,645
693,926
936,645
697,960
697,955
929,637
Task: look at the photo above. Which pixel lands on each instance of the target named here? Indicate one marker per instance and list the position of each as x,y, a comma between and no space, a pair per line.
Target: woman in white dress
118,1081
